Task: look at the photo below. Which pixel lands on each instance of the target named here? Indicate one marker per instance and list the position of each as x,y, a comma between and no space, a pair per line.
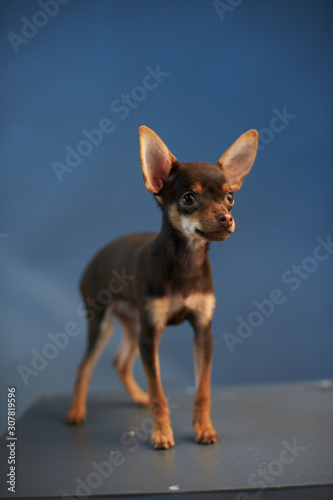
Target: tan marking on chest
203,304
161,310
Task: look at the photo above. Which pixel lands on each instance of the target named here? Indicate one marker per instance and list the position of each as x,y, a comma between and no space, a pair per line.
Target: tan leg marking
157,312
99,334
203,345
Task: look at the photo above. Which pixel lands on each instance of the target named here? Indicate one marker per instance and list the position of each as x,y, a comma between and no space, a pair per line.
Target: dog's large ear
156,160
238,159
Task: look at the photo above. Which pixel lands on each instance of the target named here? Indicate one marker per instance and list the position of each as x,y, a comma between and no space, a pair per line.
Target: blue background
226,74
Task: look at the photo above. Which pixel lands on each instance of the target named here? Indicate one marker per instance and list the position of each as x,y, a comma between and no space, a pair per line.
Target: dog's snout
225,220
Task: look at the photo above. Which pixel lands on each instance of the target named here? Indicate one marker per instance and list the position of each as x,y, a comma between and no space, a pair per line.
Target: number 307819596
11,404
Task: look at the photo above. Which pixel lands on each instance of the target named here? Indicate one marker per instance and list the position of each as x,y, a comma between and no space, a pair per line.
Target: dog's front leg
162,435
203,346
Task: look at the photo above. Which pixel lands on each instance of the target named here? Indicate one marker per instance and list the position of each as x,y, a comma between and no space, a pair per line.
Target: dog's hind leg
125,357
100,330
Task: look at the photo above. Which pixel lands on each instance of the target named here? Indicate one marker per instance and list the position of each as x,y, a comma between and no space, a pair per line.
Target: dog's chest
174,309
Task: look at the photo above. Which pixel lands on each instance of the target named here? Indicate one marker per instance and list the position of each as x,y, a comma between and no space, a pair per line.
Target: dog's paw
162,439
76,416
205,434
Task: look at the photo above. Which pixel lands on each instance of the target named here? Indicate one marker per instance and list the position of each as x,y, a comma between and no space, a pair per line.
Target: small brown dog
166,278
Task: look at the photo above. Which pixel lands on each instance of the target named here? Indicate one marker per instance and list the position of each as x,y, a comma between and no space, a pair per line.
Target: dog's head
197,197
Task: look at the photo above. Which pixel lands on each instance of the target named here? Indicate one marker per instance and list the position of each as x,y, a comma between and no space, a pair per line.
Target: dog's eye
230,197
188,199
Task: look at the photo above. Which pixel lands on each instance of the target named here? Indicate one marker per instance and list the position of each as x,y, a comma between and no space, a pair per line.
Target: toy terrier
165,279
